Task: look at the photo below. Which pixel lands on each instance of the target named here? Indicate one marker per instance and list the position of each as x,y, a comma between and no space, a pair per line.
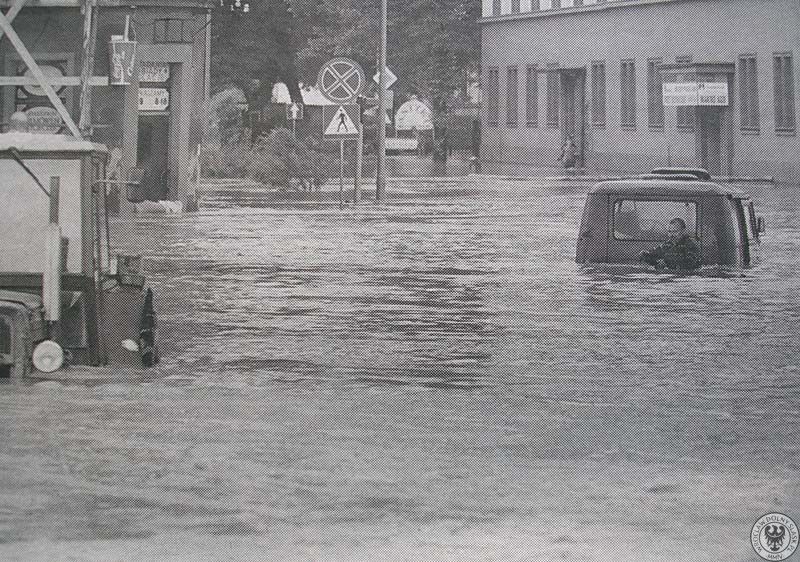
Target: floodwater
431,379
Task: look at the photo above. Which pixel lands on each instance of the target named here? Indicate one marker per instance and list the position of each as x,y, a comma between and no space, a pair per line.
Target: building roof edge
570,10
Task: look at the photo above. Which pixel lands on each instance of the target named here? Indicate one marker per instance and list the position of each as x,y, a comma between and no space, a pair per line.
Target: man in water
679,251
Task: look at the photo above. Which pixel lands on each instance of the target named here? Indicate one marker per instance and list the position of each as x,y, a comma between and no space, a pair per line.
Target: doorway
572,109
152,155
709,138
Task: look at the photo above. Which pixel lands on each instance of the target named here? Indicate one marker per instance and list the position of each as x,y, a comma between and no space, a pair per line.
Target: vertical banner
122,61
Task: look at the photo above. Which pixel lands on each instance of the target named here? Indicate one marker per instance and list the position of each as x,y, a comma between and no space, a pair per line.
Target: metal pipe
380,180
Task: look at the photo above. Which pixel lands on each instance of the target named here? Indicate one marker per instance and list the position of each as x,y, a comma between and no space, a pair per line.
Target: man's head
676,228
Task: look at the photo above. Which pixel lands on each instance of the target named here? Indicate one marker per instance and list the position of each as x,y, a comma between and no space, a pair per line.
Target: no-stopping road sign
341,80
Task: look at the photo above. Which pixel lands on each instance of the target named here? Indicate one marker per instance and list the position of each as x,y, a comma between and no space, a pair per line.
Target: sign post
294,112
359,157
341,173
341,122
341,80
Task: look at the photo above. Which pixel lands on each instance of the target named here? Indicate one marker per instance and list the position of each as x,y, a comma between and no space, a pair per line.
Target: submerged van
623,217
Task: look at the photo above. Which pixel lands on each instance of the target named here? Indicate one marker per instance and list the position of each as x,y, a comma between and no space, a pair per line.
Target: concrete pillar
130,135
179,125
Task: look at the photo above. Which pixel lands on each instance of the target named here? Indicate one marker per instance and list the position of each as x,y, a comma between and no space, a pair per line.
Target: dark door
572,109
152,153
710,138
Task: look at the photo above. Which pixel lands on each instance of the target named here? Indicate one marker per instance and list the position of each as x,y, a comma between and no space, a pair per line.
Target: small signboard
153,72
341,80
340,121
395,143
294,111
678,94
413,114
390,77
712,93
153,99
44,119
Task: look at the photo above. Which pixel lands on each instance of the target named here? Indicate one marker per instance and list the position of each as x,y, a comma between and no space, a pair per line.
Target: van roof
44,143
662,186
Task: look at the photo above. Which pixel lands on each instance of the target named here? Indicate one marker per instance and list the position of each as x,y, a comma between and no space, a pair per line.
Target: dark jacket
682,253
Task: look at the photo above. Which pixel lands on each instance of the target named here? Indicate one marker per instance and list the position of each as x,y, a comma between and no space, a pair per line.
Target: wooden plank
30,62
12,13
57,81
191,4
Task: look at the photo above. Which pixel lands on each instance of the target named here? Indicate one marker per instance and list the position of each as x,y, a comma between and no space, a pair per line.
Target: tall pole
87,67
359,163
380,180
341,173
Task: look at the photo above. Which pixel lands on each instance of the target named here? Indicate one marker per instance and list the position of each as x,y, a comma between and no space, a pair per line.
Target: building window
492,97
496,7
783,74
685,114
512,97
514,6
748,92
171,30
655,100
553,87
532,97
628,94
598,94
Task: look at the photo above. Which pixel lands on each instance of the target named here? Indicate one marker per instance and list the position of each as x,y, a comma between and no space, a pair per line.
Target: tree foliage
433,45
254,46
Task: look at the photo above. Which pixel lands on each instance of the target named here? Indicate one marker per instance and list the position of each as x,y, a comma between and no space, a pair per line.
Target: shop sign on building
153,99
712,93
695,93
153,72
680,93
413,114
44,119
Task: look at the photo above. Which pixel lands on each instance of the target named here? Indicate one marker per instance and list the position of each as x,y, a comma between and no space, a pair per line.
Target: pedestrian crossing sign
340,121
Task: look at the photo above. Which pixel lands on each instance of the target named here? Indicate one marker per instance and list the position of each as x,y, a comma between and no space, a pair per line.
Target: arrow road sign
390,78
294,111
340,121
341,80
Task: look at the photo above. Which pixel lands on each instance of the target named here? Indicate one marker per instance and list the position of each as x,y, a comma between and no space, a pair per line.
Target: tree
254,46
433,45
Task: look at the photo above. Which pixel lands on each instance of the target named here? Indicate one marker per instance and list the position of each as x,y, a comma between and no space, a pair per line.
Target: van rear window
648,220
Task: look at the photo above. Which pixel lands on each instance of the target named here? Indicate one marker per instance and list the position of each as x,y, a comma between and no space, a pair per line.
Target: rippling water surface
431,377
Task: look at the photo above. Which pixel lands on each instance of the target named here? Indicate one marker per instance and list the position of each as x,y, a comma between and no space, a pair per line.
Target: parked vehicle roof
40,142
661,185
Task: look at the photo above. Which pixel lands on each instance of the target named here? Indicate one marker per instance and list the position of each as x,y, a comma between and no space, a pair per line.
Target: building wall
708,31
58,32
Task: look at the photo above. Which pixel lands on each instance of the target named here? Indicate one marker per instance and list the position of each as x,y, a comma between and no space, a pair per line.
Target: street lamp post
380,180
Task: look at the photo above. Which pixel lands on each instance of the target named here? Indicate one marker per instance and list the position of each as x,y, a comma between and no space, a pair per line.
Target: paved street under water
431,379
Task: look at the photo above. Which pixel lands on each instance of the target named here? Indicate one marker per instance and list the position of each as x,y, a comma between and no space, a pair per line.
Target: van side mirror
761,225
134,190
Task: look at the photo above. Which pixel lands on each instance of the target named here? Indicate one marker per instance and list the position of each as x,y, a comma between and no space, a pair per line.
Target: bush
285,162
225,161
